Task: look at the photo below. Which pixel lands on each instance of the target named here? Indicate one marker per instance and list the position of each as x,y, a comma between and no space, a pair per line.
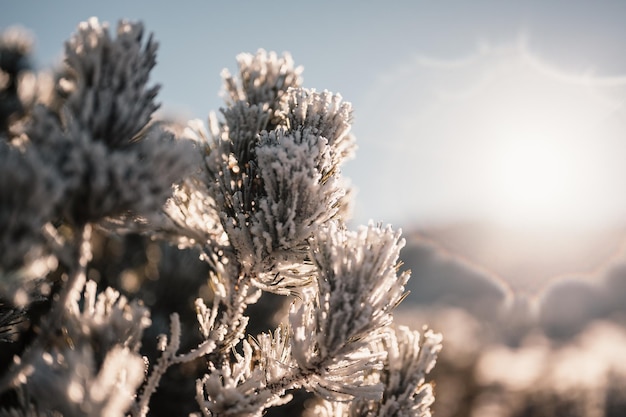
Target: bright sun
545,159
533,177
498,136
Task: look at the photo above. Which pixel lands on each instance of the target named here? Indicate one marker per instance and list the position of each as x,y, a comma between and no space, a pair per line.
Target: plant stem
77,275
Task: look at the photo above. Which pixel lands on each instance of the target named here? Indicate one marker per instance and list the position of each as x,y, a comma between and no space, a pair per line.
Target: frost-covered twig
263,199
93,367
70,294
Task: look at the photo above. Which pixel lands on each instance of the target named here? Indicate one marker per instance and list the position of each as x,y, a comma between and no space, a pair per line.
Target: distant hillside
557,280
526,259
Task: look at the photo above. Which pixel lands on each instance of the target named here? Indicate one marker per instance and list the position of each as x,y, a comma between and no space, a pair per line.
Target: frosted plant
336,326
111,161
9,318
106,86
263,79
92,368
259,193
15,47
23,254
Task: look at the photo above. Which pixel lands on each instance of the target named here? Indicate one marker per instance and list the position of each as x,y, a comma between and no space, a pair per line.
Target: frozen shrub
259,195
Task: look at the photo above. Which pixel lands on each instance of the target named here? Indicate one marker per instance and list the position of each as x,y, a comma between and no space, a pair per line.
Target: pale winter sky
481,110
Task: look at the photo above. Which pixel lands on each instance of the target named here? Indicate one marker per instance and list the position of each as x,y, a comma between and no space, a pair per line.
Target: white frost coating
264,78
67,378
274,178
109,76
107,158
323,114
260,195
348,314
237,389
409,359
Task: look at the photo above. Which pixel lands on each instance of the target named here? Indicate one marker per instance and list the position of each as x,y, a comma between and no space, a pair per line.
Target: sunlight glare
533,178
500,136
544,161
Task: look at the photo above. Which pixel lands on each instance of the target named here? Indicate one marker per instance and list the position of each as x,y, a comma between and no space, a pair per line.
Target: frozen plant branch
259,194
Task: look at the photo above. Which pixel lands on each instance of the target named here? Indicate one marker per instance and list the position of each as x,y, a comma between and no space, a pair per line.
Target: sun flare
546,159
534,178
498,136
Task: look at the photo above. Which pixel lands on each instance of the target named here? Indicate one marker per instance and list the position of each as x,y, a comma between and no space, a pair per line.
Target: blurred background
493,133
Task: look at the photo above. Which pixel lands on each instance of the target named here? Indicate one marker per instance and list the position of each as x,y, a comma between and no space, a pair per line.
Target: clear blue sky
417,72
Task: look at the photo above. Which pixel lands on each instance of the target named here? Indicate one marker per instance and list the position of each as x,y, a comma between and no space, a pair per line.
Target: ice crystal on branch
107,80
92,368
70,382
264,78
358,286
103,182
263,199
110,160
409,360
236,389
410,357
323,114
274,188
